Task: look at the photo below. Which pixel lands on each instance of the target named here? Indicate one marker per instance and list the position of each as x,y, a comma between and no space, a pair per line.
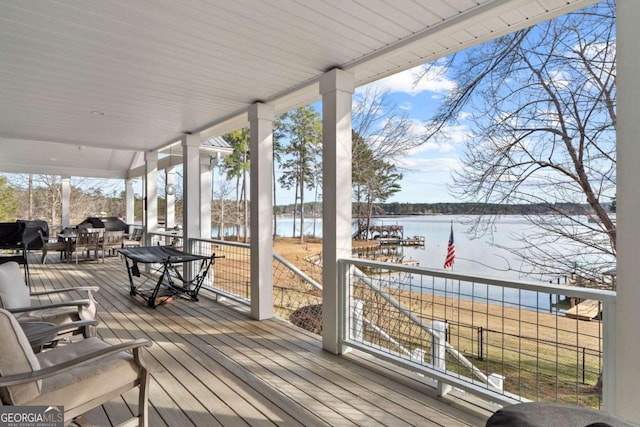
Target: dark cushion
31,237
11,235
540,414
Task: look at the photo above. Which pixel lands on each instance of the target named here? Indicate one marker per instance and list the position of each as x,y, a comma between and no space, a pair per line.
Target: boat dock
402,241
394,235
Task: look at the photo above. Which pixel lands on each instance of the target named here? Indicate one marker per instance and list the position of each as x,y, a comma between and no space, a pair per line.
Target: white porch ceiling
160,68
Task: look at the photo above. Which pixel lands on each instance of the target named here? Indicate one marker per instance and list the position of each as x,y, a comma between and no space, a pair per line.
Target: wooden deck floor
212,365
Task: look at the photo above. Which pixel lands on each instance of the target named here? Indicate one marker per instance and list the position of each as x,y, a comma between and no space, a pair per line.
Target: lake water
474,256
477,256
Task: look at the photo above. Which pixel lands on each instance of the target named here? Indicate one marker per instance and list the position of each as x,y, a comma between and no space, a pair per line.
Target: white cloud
409,82
464,115
447,142
432,165
559,78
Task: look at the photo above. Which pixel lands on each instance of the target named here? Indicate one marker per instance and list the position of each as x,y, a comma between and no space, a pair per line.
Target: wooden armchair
86,241
78,376
134,239
47,246
111,241
16,298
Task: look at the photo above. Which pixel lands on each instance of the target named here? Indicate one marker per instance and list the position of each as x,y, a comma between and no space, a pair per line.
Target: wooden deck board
212,365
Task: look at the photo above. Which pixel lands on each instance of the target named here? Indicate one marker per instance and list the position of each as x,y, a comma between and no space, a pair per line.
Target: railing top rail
599,294
165,233
199,239
221,242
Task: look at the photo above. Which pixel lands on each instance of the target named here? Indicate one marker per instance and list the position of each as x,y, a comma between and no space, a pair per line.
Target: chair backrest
87,239
17,357
113,238
136,234
14,292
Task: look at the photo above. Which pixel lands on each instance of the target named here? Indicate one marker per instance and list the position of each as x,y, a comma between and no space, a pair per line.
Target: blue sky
427,170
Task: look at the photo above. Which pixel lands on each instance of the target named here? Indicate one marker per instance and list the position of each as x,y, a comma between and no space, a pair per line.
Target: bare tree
40,197
225,189
382,134
541,106
386,129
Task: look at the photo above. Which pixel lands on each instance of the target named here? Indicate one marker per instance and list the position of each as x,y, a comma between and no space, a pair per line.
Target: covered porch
97,90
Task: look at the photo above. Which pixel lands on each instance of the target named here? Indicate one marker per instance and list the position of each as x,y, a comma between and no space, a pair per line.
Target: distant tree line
24,196
465,208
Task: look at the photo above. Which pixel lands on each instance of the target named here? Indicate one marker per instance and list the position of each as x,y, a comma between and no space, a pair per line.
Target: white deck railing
506,341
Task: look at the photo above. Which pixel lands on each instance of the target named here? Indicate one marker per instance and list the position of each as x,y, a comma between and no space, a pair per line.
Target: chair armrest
9,380
62,327
63,290
77,303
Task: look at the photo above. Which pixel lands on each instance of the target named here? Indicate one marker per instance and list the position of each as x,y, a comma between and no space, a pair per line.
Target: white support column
170,205
205,197
190,188
336,88
66,201
150,194
130,212
261,124
621,389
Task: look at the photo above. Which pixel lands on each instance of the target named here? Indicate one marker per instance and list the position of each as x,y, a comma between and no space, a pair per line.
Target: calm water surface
474,256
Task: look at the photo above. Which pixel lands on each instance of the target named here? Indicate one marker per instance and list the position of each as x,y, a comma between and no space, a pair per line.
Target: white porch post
170,205
261,124
150,194
129,204
190,188
66,201
624,385
205,198
336,88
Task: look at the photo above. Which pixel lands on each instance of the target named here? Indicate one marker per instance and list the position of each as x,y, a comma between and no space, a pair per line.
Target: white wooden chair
78,376
16,298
